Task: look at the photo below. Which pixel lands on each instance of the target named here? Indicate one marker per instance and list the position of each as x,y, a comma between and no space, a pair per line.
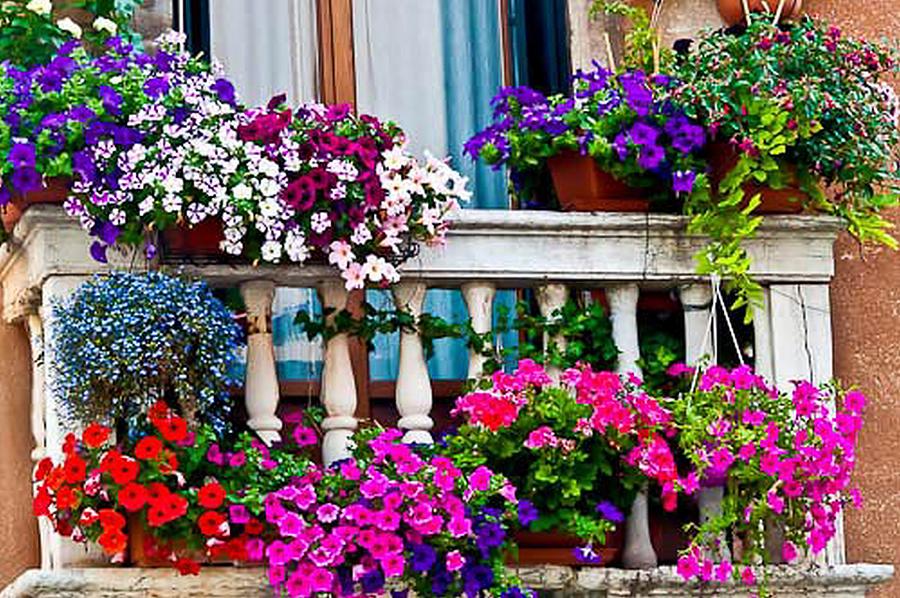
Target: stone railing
487,250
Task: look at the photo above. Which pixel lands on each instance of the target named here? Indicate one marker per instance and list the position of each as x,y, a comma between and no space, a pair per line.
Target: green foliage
640,38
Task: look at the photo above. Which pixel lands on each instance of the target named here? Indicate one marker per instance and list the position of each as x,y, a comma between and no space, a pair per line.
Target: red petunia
69,444
156,491
187,566
166,509
124,470
158,411
41,503
95,435
113,541
174,429
254,527
211,496
132,497
148,448
212,524
111,519
43,468
66,498
75,469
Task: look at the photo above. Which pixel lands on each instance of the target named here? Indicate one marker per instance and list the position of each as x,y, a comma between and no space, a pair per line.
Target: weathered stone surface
228,582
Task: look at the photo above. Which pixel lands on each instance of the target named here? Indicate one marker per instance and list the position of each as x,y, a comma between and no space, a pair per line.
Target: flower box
788,200
557,548
581,186
55,192
202,240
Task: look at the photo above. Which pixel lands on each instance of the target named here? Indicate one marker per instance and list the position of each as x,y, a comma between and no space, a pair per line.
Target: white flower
268,168
395,158
73,207
242,191
374,268
173,185
104,24
172,203
320,222
271,251
269,187
361,234
353,276
117,217
41,7
69,26
295,246
341,254
196,213
146,206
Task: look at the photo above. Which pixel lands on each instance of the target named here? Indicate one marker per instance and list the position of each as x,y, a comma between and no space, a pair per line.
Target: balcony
552,253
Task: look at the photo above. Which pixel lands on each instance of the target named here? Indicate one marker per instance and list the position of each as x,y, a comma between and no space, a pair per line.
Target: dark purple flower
150,251
651,156
441,581
156,86
642,133
5,195
637,94
423,557
276,101
515,592
53,120
528,513
489,535
477,578
225,90
620,144
373,581
81,114
683,181
98,252
610,512
83,165
586,554
106,232
22,155
67,47
112,100
26,179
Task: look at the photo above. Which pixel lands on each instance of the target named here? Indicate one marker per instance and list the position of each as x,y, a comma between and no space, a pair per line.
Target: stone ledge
229,582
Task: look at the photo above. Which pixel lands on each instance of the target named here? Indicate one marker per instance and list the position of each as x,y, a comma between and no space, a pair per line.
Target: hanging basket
732,11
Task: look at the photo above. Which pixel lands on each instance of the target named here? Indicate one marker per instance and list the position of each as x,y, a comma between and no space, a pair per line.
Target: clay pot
555,548
582,187
55,192
788,200
200,241
732,11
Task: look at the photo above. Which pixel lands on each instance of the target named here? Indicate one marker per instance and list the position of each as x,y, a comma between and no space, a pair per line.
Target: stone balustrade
550,252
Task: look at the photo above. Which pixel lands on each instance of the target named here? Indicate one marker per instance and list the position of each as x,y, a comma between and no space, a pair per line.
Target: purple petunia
111,99
423,558
610,512
22,155
651,157
156,87
586,554
683,181
528,513
225,91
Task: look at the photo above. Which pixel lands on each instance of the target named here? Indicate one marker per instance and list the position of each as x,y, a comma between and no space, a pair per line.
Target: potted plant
577,452
393,518
124,341
172,494
786,460
802,110
735,11
613,144
352,196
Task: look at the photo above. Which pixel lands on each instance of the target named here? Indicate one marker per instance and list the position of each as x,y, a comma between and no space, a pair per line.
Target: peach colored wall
866,320
18,528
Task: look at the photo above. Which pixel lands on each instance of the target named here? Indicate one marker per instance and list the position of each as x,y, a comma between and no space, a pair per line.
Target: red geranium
124,470
95,435
254,527
66,498
43,468
113,541
75,469
158,411
187,566
148,448
212,524
174,429
132,497
111,519
211,495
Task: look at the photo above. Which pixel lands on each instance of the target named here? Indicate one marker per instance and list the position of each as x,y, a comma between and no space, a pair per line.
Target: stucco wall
18,529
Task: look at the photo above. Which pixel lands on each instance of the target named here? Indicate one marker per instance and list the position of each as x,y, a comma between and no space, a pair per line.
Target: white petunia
41,7
271,251
70,27
242,191
107,25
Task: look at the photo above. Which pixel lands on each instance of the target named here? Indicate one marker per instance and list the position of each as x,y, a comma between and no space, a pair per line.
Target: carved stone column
413,393
479,298
261,393
550,298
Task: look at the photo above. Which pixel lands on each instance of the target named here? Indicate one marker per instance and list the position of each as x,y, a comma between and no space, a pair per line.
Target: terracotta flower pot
55,192
200,241
582,187
732,11
789,200
555,548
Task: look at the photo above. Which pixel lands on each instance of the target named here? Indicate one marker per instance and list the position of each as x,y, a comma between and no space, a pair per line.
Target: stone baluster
479,298
57,552
338,394
638,552
261,385
413,383
696,301
35,326
551,297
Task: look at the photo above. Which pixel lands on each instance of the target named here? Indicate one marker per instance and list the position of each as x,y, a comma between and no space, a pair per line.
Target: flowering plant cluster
352,194
123,341
190,496
577,453
32,32
800,106
784,458
626,122
391,518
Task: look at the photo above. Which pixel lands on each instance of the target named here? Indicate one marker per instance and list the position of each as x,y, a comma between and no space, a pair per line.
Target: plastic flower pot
199,241
789,200
581,186
732,11
55,192
557,548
